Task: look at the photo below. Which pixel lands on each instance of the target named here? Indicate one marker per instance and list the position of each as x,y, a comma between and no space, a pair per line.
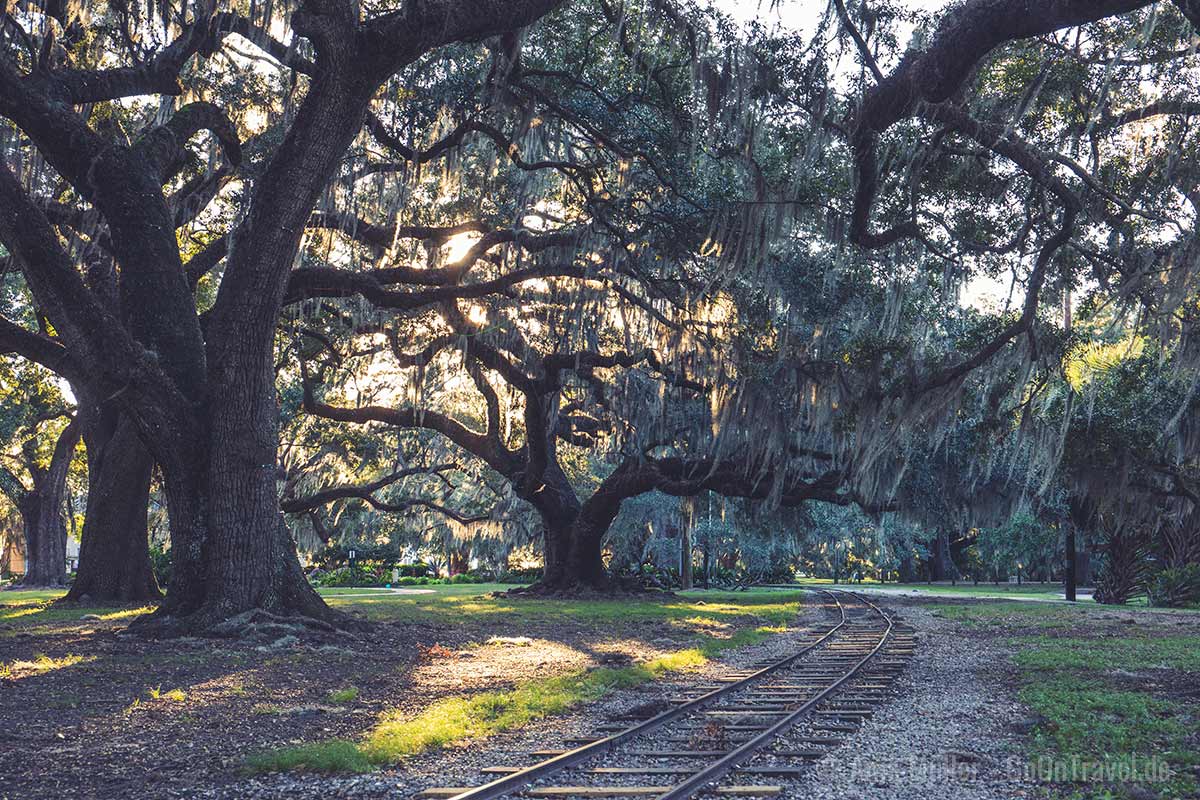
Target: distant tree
39,435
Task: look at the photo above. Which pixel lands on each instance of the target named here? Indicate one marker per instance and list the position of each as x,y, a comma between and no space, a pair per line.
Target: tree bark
458,559
559,507
114,555
1069,583
231,550
942,565
685,557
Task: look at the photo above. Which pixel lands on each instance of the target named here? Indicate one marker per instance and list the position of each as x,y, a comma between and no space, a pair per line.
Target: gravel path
952,732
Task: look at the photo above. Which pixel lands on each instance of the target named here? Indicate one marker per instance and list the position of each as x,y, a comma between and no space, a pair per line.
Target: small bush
1124,568
344,576
1176,587
519,576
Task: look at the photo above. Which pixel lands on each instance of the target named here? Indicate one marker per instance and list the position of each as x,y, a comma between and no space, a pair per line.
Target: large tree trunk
586,563
458,559
42,513
687,506
114,555
685,557
942,565
45,557
559,507
232,553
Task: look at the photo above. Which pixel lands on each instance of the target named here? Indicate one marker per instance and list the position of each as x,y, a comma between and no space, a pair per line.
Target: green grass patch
1109,653
28,610
11,597
337,755
457,718
459,606
343,696
1013,614
487,713
1088,716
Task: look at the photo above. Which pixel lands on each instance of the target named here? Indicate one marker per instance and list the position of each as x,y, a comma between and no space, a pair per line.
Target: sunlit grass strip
18,610
41,664
38,611
127,613
477,716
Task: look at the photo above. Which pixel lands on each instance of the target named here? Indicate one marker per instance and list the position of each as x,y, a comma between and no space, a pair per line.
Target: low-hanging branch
931,76
311,282
365,491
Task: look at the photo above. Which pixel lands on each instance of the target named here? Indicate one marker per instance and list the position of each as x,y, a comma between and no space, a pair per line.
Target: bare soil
110,726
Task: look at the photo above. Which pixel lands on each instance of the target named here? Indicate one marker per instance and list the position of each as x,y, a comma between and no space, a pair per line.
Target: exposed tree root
256,624
259,621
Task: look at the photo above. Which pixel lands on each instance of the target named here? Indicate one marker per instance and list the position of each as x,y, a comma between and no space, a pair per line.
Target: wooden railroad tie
609,791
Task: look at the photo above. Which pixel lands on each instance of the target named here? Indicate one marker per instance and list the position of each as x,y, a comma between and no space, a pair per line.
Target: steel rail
733,759
516,780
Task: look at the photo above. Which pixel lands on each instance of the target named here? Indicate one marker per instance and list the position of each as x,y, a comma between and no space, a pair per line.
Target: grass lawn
1040,591
464,605
469,605
1114,698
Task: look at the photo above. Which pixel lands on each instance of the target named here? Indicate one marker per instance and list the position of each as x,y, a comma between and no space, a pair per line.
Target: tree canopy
472,277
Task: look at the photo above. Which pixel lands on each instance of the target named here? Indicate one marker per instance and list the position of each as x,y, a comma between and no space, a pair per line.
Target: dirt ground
88,710
137,718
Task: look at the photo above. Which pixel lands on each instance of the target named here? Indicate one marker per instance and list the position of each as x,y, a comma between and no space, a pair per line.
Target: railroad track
724,738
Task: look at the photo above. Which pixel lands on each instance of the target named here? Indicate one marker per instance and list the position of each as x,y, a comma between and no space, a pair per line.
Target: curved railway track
724,738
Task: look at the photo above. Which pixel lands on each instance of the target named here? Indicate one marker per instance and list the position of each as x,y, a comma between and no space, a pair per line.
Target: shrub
1175,587
1123,568
344,576
160,560
519,576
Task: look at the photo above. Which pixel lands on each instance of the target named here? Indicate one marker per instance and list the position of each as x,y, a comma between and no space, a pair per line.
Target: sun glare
457,247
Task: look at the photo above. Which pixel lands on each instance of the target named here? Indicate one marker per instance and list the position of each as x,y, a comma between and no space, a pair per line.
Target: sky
799,13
